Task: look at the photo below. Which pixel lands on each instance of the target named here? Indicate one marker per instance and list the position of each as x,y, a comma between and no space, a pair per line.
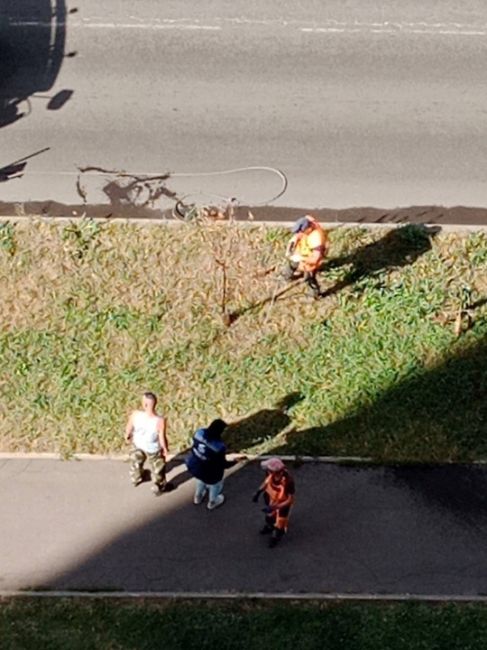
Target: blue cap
301,224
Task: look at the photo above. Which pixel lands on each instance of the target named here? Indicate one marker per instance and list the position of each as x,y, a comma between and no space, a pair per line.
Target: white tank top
145,434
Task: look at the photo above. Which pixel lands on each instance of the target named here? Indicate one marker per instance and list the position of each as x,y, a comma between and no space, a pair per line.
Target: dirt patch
458,215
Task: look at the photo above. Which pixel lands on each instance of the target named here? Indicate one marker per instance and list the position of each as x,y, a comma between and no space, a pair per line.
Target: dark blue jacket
206,460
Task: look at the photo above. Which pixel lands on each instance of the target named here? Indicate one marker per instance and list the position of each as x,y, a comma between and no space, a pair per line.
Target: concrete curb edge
191,595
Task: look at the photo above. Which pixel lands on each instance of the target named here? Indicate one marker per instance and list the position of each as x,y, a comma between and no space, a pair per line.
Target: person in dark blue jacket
207,463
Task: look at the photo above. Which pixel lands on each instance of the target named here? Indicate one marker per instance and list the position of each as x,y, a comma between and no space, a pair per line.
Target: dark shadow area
16,169
32,49
281,291
261,426
12,171
435,414
460,490
398,248
350,532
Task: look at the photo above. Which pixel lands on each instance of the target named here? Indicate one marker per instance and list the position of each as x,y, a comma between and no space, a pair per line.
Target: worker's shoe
275,537
219,501
266,530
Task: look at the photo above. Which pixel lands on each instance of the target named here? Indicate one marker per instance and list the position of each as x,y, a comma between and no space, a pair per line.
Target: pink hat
273,464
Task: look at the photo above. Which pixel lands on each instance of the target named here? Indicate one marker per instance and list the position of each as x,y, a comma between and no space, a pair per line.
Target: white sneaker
217,502
198,498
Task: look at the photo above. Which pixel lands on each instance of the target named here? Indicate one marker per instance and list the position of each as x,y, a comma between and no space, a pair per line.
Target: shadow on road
16,169
32,49
182,546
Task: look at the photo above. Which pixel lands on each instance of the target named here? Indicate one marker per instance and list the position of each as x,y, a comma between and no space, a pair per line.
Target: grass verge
106,625
91,315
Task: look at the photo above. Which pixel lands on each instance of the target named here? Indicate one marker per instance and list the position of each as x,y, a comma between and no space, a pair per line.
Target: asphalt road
380,103
354,530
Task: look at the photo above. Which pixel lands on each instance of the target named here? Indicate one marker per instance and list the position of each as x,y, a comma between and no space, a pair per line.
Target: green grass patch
92,315
115,625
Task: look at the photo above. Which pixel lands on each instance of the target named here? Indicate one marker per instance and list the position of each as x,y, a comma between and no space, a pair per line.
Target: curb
329,225
124,457
289,458
192,595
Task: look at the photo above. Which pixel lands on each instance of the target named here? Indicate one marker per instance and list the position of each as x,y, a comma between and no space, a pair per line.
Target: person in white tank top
147,431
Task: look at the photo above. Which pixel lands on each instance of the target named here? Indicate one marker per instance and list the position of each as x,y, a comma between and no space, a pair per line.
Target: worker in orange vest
306,251
278,489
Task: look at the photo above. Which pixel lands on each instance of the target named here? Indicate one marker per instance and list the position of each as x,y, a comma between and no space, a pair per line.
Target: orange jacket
311,246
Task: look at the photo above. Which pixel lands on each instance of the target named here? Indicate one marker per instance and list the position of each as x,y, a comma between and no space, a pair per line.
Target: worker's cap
272,465
302,224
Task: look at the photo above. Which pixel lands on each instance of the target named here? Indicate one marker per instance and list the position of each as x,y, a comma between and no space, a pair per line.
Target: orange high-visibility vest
307,243
278,494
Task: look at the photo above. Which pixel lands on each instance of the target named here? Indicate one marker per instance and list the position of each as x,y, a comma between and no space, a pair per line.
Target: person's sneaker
217,502
156,490
198,498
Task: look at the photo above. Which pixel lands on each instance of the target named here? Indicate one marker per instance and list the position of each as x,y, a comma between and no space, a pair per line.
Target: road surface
359,530
380,103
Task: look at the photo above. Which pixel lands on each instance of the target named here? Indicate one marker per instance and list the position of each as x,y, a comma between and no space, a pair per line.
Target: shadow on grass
437,414
263,425
282,288
398,248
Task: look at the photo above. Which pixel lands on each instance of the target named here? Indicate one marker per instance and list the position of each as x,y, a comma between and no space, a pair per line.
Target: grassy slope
112,625
90,317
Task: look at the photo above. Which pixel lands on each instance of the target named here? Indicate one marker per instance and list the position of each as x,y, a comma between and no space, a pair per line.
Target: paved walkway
80,525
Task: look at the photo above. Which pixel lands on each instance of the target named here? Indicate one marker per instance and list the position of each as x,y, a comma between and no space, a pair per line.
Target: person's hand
128,437
241,458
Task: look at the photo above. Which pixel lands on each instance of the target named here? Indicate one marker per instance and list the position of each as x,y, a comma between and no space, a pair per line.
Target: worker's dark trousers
270,521
291,272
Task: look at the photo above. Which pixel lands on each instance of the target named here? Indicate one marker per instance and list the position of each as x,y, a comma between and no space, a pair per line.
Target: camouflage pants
156,462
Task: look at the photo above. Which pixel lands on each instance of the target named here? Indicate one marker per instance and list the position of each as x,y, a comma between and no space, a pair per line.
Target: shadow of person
398,248
262,425
242,434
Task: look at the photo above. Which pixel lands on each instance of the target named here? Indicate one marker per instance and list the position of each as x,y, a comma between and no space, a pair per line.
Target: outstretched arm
257,494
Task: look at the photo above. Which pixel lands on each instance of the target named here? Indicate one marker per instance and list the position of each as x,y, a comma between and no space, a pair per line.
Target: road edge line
208,595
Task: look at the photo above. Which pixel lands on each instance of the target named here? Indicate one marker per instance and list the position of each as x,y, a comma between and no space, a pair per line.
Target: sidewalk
80,525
